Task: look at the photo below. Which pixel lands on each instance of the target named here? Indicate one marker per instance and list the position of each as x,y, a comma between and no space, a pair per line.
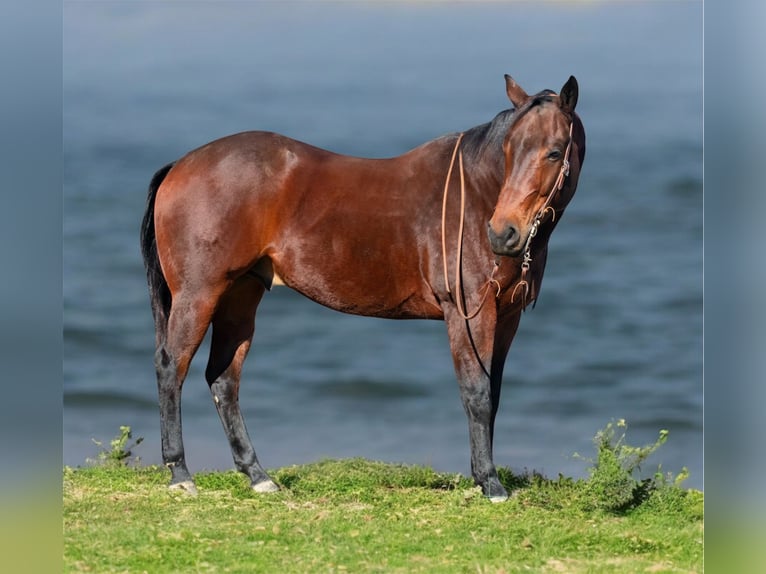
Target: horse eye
554,155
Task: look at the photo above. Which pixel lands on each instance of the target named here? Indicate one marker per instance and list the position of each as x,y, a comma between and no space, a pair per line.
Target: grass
363,516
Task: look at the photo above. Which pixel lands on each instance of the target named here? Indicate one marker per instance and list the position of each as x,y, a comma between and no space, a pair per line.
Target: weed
612,486
120,452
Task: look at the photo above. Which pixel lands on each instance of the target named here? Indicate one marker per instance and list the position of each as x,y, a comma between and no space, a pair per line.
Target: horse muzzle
507,243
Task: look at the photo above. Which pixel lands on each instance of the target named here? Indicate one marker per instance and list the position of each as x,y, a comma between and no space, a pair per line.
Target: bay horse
373,237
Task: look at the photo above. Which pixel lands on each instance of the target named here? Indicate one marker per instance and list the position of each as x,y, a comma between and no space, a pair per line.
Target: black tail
159,293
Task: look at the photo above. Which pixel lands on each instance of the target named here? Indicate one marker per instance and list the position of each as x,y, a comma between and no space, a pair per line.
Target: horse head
543,150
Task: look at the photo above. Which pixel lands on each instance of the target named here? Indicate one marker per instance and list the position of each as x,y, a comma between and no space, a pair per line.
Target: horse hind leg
188,321
233,328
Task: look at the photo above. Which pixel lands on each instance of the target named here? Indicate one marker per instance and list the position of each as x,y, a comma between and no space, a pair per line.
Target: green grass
362,516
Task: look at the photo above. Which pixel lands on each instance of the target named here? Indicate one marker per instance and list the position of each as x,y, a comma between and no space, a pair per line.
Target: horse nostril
511,235
507,239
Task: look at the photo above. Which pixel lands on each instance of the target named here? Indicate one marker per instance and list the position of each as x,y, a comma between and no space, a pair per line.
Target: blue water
617,332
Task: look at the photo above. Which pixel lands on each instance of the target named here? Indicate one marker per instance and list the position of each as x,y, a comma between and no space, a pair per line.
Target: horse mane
490,136
487,136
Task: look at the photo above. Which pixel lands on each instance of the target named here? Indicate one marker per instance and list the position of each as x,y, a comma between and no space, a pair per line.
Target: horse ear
568,95
515,92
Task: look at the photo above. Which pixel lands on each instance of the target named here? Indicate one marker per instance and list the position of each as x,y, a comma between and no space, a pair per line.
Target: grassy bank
362,516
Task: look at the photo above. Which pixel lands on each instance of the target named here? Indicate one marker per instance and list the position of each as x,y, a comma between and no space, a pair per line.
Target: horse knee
477,402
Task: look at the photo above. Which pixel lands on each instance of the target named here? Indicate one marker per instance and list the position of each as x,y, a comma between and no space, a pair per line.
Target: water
617,332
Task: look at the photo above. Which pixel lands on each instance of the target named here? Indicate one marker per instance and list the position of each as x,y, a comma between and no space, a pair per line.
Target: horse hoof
187,486
494,491
265,486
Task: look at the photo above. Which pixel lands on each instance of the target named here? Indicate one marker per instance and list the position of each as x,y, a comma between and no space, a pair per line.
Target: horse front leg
479,348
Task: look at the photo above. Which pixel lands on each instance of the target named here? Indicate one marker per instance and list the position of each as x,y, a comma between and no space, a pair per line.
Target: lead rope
459,251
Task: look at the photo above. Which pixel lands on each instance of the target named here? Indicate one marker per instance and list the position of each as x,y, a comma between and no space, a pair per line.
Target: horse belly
369,290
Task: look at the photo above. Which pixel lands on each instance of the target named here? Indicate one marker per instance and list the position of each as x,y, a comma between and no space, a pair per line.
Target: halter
526,258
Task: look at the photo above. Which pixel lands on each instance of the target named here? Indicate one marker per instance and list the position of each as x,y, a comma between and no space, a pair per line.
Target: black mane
487,136
490,136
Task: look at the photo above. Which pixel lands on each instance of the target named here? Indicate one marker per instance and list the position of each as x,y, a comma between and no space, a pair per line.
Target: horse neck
484,175
484,160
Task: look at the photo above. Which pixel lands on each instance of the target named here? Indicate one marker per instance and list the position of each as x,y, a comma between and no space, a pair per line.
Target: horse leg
187,324
478,353
504,333
233,328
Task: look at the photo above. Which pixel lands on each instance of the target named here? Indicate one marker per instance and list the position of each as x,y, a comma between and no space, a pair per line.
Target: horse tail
159,292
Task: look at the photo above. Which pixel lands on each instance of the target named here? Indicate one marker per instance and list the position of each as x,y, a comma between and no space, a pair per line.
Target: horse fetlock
179,474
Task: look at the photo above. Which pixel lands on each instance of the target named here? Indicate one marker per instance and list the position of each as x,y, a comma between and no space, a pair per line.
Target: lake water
617,332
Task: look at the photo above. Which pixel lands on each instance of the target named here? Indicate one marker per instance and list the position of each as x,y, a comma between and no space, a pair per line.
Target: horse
374,237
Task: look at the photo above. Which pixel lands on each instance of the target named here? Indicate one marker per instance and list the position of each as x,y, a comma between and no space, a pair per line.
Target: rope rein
526,258
459,253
